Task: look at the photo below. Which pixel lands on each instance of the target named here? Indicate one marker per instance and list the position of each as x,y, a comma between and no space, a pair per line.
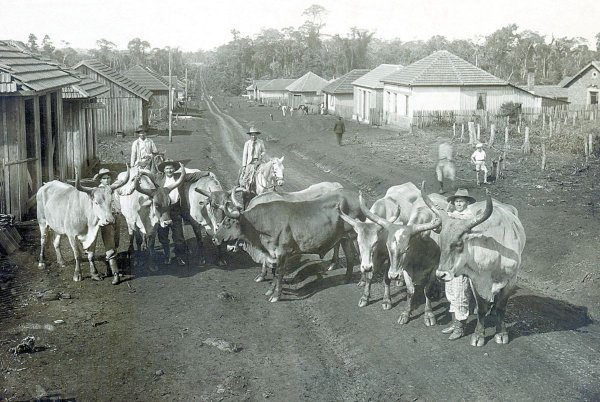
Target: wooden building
32,142
338,95
153,82
445,82
274,92
79,124
368,94
306,90
126,102
584,87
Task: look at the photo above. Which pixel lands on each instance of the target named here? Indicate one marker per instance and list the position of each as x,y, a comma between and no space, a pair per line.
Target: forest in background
508,53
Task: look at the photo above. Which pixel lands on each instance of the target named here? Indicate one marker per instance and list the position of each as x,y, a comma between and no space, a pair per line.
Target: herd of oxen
406,234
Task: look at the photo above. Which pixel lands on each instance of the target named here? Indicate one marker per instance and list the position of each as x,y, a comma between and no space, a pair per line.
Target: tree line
508,53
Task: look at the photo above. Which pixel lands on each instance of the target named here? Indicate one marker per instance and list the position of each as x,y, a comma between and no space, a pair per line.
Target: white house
274,91
368,93
338,95
306,90
443,81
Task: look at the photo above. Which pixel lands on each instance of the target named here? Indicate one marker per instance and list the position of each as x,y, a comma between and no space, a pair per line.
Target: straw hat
461,193
253,130
140,129
104,172
161,166
479,145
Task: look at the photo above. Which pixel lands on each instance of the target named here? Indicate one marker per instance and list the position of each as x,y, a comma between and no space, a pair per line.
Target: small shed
32,142
306,90
368,94
126,101
338,95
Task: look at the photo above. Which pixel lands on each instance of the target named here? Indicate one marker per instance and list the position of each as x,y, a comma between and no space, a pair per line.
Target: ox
145,205
415,257
282,229
394,206
77,212
488,250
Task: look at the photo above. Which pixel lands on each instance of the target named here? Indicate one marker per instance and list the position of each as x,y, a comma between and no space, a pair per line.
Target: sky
192,25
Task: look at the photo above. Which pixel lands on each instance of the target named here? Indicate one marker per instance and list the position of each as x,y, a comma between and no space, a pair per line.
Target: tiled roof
21,70
372,79
87,88
147,78
309,82
550,91
116,77
343,85
442,68
593,64
278,84
177,83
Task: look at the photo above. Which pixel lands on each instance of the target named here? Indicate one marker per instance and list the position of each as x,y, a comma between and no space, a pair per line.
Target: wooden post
453,130
519,124
543,156
472,132
590,144
462,132
586,151
506,137
492,134
574,118
478,132
551,125
526,148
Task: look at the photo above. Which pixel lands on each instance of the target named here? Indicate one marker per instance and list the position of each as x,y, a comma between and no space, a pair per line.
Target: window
481,101
593,98
594,74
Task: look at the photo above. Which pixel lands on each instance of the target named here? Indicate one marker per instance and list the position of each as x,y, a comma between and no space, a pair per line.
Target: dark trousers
339,138
176,229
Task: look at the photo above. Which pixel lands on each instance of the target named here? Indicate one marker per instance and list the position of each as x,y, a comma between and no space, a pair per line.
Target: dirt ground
203,332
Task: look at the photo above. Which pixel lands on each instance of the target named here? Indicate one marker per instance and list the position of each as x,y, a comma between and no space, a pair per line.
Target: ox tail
41,204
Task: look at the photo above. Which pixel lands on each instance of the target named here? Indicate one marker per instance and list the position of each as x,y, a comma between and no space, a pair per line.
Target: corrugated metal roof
309,82
30,72
372,79
147,78
116,77
343,85
278,84
442,68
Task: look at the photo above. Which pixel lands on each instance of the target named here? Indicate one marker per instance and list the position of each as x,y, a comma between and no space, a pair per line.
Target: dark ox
371,237
282,229
77,212
145,204
413,255
488,250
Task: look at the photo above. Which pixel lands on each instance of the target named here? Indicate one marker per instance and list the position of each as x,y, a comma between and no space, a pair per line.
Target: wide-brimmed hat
479,145
104,172
461,193
161,166
140,129
253,130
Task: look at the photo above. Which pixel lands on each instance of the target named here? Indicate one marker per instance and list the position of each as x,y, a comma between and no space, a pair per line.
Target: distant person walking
142,147
339,129
445,167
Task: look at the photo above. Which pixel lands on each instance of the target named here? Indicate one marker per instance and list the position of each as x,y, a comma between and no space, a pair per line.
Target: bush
510,109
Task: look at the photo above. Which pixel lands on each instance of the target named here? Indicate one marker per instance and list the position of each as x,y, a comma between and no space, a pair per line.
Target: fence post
590,144
453,130
462,132
492,134
526,148
471,132
478,132
543,156
551,124
574,118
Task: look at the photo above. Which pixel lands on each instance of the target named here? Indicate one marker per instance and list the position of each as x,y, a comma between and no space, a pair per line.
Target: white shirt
478,155
174,194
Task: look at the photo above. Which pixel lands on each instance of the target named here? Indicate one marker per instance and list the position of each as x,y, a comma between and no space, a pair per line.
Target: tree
32,43
137,50
47,46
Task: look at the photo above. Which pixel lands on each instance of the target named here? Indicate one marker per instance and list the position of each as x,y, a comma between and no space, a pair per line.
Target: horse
268,176
303,109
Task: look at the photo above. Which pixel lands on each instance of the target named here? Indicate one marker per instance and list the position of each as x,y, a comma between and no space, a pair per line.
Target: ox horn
346,217
120,183
234,200
489,208
377,219
228,213
203,192
150,176
436,210
397,215
179,181
144,191
78,185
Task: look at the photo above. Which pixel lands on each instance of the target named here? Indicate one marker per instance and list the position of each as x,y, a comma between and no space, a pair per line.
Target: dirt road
150,337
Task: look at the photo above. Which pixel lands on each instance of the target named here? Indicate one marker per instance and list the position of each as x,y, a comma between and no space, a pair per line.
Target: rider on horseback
254,150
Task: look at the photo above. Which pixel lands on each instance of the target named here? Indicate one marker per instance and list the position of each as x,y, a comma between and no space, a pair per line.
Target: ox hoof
269,292
77,278
477,340
363,301
96,277
429,319
333,266
501,338
116,279
274,299
386,304
403,319
42,265
361,283
259,278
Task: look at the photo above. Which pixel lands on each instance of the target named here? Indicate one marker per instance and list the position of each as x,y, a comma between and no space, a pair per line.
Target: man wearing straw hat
458,289
142,147
254,151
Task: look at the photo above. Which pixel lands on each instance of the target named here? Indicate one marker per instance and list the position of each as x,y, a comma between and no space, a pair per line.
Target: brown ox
488,250
77,212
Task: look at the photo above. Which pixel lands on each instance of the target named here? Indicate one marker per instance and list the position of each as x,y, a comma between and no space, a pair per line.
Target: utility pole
170,101
186,90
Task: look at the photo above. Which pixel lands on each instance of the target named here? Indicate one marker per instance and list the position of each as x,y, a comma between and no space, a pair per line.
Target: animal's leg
349,258
75,248
335,260
151,240
263,273
410,292
364,300
43,239
59,258
90,257
280,270
114,266
221,262
501,336
478,337
363,279
428,316
386,302
198,234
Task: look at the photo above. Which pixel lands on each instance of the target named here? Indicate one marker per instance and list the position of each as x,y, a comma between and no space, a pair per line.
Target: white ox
488,250
77,212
